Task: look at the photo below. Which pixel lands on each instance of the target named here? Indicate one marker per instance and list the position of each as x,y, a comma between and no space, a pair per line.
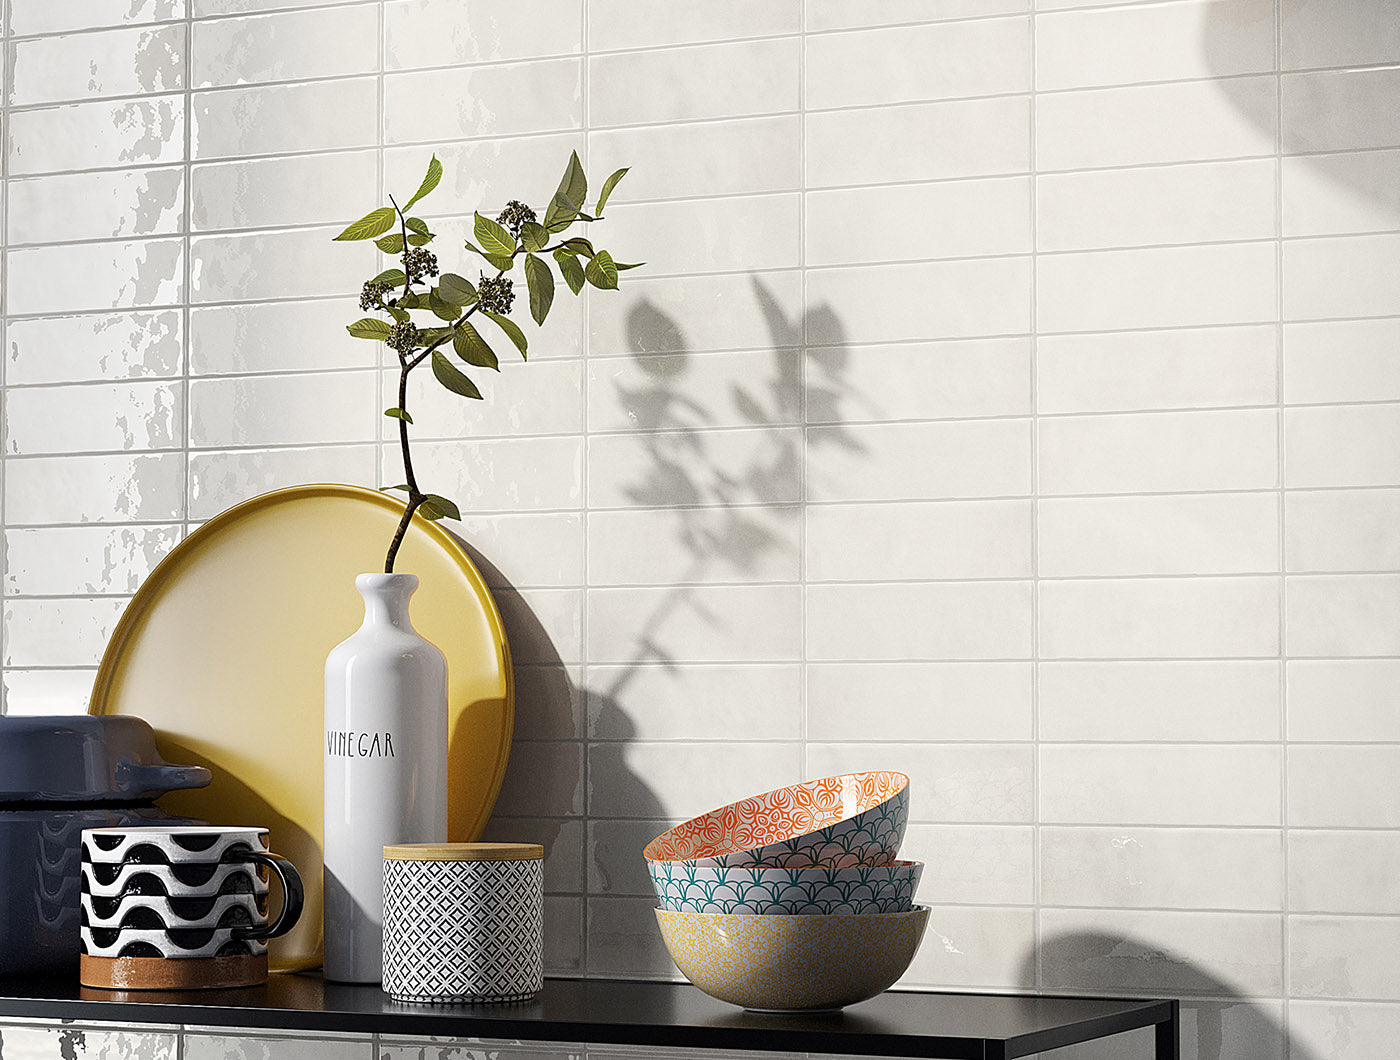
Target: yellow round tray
223,651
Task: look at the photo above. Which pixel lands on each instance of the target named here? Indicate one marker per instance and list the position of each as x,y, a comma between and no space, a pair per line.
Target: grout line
804,307
585,911
187,286
1037,845
5,85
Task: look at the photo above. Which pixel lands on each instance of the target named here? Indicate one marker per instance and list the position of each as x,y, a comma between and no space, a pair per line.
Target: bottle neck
386,598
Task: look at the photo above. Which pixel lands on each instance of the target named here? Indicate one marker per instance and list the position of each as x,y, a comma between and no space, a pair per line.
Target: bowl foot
793,1011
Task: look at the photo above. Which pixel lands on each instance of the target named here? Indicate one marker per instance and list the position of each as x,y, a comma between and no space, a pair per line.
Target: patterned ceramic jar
463,922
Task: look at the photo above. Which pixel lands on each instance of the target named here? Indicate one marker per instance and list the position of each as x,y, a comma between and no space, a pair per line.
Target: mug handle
293,894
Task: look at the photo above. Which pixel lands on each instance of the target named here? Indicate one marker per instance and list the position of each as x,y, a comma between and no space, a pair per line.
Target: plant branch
415,497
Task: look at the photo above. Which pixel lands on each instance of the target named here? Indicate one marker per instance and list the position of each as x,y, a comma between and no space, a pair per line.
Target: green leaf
401,315
472,348
570,269
428,336
402,486
416,240
456,289
369,328
513,332
399,414
608,186
429,182
442,310
391,244
620,267
493,238
416,224
601,272
504,262
390,276
454,380
372,224
541,283
434,508
533,236
561,213
573,185
578,245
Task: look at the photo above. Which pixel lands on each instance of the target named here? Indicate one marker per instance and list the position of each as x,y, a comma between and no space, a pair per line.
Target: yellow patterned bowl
781,963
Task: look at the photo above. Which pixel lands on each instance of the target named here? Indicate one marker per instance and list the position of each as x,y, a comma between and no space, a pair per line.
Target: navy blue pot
59,775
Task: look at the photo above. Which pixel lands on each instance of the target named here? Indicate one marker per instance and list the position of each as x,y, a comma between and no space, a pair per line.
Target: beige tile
292,46
938,620
1341,530
445,33
1370,882
84,135
1349,276
1337,110
899,700
616,24
1341,360
1343,786
1358,191
1343,957
1348,699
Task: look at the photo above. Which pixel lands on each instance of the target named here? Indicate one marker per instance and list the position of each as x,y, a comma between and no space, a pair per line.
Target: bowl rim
902,785
907,865
914,910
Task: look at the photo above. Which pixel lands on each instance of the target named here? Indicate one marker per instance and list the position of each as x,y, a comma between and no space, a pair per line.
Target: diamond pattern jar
463,922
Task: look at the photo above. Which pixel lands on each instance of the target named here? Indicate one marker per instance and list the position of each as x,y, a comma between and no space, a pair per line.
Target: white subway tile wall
1011,396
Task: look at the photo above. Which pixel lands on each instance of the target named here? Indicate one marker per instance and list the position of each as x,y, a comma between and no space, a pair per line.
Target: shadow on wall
1217,1023
1318,114
735,500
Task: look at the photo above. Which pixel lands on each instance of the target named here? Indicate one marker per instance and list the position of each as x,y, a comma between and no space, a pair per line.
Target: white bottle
386,767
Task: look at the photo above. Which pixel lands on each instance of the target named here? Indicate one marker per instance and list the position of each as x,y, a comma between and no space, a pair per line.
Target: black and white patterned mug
166,908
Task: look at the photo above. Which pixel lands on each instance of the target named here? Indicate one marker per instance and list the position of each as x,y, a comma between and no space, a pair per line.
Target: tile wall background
1012,397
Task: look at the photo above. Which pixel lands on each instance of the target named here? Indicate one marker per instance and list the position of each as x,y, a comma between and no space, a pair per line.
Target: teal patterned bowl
683,887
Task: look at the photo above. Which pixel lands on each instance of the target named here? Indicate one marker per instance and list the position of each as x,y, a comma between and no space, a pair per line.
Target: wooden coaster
171,973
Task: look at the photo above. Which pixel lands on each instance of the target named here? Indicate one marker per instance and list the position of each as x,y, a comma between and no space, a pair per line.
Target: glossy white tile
295,264
681,546
484,101
502,475
1190,121
837,14
695,313
82,560
1358,191
687,84
1180,41
1341,360
615,863
303,189
220,480
618,24
702,623
1107,290
522,399
976,947
1203,203
1343,786
543,626
1344,957
688,467
551,698
936,300
1159,618
967,138
1142,370
533,550
293,46
1198,953
122,62
1347,699
99,276
1342,445
701,158
1351,33
283,410
1219,533
1170,784
623,940
1135,867
1348,276
68,208
1173,701
894,701
1337,110
543,780
320,116
938,60
1343,615
948,783
938,620
78,419
910,540
27,17
484,174
719,235
277,337
1159,453
93,1042
130,132
1369,877
94,489
221,1047
91,347
31,693
1341,530
421,33
1344,1031
759,701
71,632
663,780
949,219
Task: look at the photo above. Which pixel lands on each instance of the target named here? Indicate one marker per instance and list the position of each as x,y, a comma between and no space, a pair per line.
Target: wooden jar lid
464,852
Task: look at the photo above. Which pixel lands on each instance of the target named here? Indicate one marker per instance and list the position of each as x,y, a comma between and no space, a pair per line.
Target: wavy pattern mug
179,908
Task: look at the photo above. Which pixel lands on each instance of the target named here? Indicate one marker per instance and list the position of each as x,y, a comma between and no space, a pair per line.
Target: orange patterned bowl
776,963
852,819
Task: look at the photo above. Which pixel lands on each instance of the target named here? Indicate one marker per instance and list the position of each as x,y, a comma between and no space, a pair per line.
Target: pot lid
84,758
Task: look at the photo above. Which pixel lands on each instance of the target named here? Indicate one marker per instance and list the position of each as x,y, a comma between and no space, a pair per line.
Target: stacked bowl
793,900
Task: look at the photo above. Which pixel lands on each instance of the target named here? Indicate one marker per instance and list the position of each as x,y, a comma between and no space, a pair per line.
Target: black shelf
618,1012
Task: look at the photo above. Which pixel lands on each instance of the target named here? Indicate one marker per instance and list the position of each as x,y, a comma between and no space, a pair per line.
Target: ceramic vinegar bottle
386,767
